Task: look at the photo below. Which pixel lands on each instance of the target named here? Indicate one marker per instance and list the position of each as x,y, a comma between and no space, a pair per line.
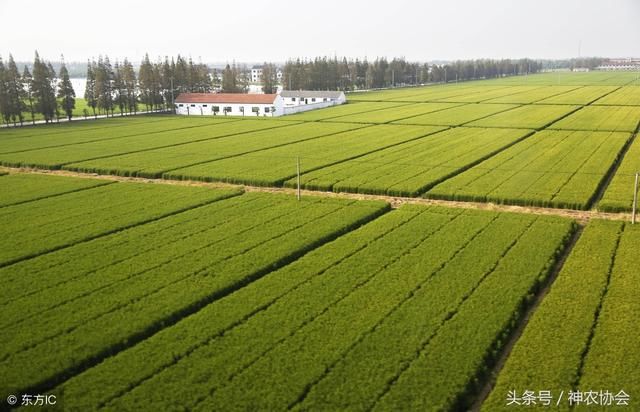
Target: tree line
44,91
326,73
155,85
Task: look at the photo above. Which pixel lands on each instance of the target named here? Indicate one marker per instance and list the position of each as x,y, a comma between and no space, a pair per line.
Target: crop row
457,115
50,272
625,96
605,118
123,372
393,113
153,162
55,222
550,168
55,157
76,134
92,316
619,194
410,168
309,313
534,95
273,166
582,95
342,110
528,116
324,285
21,188
579,337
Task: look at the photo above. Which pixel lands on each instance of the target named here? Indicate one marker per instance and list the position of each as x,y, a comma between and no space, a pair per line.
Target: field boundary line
395,201
514,336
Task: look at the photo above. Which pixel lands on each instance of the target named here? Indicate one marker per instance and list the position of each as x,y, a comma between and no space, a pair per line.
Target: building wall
289,101
206,109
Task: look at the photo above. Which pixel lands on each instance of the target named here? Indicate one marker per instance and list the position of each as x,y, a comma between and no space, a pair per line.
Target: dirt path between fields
582,216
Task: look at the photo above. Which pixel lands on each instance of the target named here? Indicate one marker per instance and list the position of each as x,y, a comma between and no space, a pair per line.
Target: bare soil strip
582,216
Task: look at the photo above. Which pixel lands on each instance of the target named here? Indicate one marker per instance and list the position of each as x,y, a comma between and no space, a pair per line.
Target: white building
309,97
229,104
256,74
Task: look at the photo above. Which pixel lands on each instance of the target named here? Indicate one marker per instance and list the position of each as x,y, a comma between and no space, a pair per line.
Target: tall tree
66,94
130,86
43,90
27,80
229,81
5,110
89,91
120,98
145,79
15,92
269,78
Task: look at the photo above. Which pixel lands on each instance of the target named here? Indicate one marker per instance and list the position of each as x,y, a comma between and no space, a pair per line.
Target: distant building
229,104
628,64
256,74
305,97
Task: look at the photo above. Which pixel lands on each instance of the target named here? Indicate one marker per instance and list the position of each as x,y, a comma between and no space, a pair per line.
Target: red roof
226,98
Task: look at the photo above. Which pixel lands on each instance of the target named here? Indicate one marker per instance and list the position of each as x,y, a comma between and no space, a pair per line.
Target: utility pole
635,200
298,173
393,78
173,103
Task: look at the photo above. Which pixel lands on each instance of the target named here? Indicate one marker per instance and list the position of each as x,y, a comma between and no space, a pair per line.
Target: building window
181,105
313,99
227,109
215,109
193,105
204,105
255,109
293,99
325,99
241,109
266,110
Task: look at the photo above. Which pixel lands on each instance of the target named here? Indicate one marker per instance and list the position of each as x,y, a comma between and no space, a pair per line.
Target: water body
79,86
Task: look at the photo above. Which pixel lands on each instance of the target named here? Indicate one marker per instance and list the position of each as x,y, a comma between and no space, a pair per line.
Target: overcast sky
251,31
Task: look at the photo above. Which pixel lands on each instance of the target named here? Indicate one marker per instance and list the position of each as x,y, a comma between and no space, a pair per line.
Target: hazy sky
249,30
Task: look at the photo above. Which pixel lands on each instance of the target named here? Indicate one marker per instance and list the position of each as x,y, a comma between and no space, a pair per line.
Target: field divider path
492,373
395,201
